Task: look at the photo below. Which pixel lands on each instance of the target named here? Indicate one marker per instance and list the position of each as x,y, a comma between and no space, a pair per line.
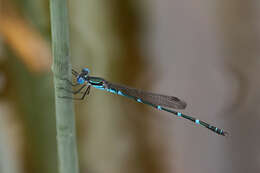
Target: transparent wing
157,99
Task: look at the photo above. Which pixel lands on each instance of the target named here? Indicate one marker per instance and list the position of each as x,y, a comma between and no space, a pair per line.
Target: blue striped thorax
95,81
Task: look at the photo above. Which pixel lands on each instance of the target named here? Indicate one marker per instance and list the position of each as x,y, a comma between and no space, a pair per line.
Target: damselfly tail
194,120
197,121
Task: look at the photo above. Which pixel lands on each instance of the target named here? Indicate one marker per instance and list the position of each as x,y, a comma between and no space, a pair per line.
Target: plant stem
65,120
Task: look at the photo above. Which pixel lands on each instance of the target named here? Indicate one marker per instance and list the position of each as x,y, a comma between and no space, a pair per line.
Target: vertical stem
65,123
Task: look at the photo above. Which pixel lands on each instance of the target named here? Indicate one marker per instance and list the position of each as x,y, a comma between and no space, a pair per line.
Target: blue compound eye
85,70
80,80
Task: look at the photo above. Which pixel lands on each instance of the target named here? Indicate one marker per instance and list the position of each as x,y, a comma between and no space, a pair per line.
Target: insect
158,101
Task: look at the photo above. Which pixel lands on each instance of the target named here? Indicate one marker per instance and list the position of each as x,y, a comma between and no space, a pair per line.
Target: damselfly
158,101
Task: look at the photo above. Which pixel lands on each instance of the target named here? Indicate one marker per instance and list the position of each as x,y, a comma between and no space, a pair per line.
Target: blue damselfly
158,101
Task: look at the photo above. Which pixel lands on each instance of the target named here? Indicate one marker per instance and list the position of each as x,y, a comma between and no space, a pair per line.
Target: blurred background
205,52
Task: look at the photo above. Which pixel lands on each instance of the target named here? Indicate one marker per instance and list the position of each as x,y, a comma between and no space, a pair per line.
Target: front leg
86,92
74,92
71,83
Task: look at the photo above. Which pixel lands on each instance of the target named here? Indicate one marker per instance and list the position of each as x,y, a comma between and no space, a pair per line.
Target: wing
157,99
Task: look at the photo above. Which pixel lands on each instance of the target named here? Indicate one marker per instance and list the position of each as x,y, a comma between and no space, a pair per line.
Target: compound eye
80,80
85,70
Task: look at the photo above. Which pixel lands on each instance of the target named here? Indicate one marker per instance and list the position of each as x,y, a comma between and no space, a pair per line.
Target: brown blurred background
205,52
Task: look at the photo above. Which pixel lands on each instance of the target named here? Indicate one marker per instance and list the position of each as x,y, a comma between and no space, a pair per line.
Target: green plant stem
65,119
